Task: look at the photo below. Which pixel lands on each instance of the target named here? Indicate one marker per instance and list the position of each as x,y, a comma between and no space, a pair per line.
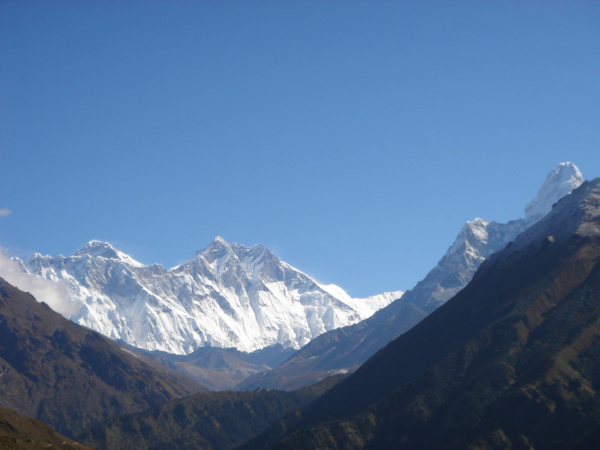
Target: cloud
5,212
55,294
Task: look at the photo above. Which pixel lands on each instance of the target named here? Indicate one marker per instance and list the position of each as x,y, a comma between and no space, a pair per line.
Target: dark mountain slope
20,432
216,420
512,361
349,347
69,376
338,350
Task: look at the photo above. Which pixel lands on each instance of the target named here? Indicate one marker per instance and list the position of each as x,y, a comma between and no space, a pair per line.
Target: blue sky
354,139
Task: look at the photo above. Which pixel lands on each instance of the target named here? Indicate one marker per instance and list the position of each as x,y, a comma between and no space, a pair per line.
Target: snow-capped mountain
228,295
479,239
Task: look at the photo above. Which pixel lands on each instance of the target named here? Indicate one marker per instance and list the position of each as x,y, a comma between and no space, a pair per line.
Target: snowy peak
107,251
576,217
253,252
559,183
97,248
227,295
217,245
218,248
479,239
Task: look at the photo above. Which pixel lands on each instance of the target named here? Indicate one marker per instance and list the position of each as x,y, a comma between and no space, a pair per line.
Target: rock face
228,295
510,362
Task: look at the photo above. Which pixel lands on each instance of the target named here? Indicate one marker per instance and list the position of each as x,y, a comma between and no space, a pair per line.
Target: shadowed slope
216,420
510,362
20,432
69,376
340,350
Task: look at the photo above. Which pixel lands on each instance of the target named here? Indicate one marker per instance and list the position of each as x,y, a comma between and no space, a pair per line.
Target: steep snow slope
228,295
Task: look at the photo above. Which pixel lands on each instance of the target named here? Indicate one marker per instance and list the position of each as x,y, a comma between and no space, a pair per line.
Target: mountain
228,295
479,239
338,351
346,348
220,368
510,362
71,377
20,432
217,420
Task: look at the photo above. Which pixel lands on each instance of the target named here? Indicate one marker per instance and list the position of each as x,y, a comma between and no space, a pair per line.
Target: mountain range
228,296
242,299
508,360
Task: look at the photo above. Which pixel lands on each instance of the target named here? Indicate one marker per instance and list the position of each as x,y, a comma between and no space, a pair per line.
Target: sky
354,139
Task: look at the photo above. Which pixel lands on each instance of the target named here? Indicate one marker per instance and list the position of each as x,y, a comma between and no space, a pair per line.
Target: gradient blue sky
354,139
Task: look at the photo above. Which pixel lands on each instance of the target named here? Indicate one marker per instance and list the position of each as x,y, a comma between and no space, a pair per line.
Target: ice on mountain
227,295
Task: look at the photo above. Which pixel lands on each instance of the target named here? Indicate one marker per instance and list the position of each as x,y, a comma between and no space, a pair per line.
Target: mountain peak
578,214
218,243
97,248
559,183
105,250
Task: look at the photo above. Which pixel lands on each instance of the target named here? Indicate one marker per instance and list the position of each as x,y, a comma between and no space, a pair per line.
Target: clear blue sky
352,138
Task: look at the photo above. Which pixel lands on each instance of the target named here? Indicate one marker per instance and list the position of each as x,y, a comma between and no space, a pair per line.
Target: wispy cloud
5,212
53,293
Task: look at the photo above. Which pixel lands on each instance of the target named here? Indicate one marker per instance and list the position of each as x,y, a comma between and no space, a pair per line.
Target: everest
228,295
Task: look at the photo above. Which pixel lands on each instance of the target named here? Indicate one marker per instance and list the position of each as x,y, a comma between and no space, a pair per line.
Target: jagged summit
219,248
479,238
105,250
97,248
577,214
219,244
215,249
560,182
